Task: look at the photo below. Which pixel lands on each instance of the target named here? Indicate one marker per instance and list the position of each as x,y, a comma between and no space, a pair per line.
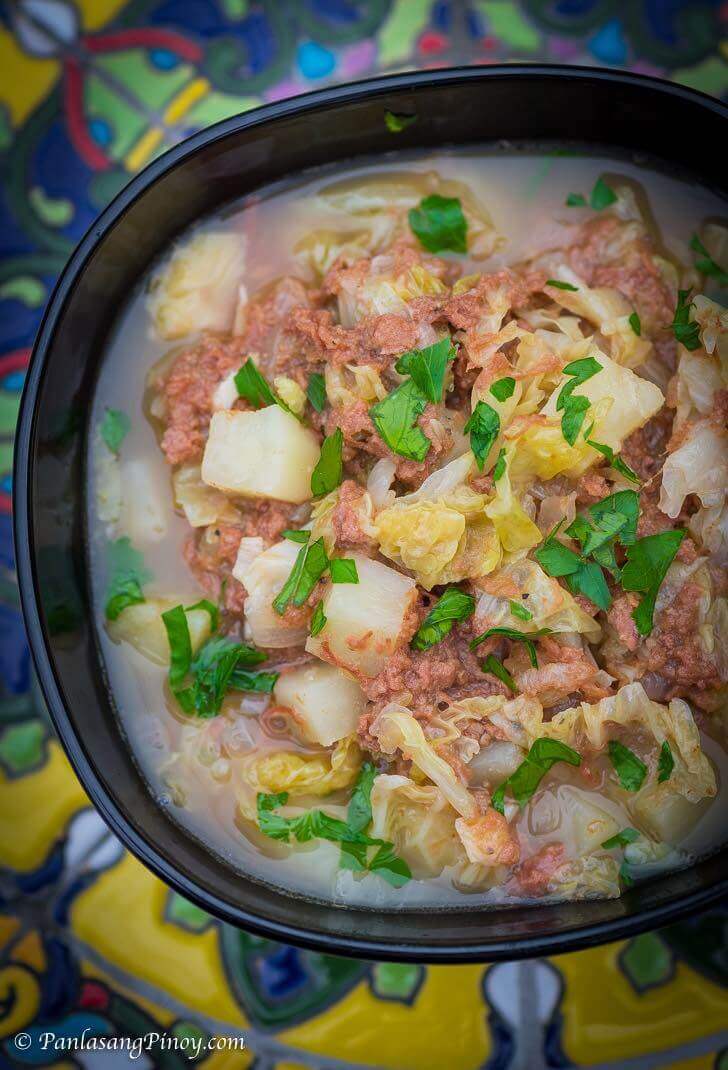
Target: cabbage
142,626
699,466
322,517
319,249
379,483
591,877
712,319
609,311
488,840
418,820
345,386
494,763
551,606
263,577
290,393
693,775
396,729
197,287
710,528
572,814
514,527
699,378
303,774
201,504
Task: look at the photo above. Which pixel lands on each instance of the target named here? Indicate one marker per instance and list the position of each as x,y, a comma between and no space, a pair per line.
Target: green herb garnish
427,367
635,323
453,605
500,465
621,839
561,285
343,570
316,391
397,122
648,560
252,386
686,331
329,469
483,427
439,224
128,575
114,428
519,610
574,406
544,753
615,461
706,265
318,620
502,389
294,535
527,638
665,763
600,197
630,769
395,418
498,669
309,567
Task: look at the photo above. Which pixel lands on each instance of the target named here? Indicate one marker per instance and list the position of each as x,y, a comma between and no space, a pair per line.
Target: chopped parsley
329,469
665,763
559,285
574,406
500,464
483,427
621,839
252,386
648,560
497,668
527,638
615,461
294,535
427,367
316,391
128,574
343,570
582,576
600,197
635,323
356,845
114,428
544,753
519,610
686,331
630,769
453,605
318,620
395,418
396,122
502,389
706,265
439,224
309,567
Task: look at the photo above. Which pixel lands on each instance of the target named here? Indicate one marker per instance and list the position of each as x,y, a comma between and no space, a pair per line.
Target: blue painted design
14,653
281,973
6,484
441,16
67,1028
100,131
314,60
163,59
7,551
13,382
609,45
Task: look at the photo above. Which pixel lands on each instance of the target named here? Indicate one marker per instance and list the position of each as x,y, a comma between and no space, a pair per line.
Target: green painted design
343,31
721,1062
105,185
701,942
6,129
9,405
24,288
710,76
235,9
127,122
507,22
399,33
22,747
215,106
189,1031
152,87
647,961
55,211
396,980
185,914
6,450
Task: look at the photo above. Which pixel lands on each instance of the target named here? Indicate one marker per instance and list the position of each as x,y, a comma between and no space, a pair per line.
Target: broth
524,192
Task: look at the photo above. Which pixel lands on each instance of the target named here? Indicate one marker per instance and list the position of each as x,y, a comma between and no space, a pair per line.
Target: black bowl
222,163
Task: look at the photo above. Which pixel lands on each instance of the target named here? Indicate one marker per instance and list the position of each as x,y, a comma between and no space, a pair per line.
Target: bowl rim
357,946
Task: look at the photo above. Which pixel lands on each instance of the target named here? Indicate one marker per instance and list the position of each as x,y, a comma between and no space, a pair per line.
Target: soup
408,528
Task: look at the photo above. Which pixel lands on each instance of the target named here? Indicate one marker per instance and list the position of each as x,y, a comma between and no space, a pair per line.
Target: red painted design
14,361
148,37
431,43
92,154
93,996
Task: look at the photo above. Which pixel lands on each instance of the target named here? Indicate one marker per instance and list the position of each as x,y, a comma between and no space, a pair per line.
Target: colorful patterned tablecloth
91,944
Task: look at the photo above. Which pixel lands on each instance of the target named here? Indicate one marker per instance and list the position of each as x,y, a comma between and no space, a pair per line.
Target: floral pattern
91,942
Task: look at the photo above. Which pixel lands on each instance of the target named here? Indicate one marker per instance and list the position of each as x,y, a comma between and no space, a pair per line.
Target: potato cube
325,703
142,626
263,454
364,619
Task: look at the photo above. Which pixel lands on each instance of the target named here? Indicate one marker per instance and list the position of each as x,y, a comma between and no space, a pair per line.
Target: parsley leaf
615,461
439,224
395,418
520,611
498,669
576,200
329,468
511,633
128,574
214,614
685,330
252,386
648,560
318,620
582,576
574,407
630,769
573,417
555,558
316,391
589,581
665,763
452,606
621,839
309,567
706,265
500,464
601,195
561,285
294,535
427,367
635,323
397,122
343,570
544,753
483,428
114,428
502,389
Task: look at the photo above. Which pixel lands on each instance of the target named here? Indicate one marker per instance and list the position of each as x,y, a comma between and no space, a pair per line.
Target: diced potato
263,454
202,505
364,620
145,501
666,815
143,627
263,575
633,401
326,703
